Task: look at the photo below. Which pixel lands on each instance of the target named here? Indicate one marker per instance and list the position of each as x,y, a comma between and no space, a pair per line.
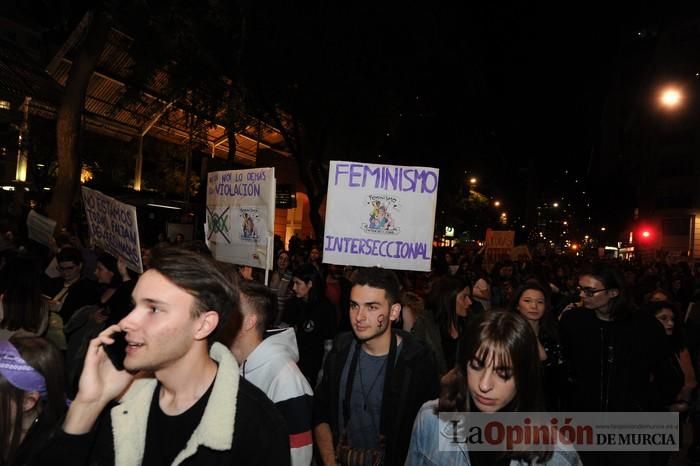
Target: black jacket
314,323
612,364
84,292
414,381
240,426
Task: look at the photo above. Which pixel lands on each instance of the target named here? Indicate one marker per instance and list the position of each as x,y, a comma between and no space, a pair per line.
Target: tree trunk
317,222
307,148
68,119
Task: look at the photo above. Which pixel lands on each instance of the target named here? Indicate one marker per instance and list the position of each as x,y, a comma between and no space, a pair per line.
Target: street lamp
670,97
497,203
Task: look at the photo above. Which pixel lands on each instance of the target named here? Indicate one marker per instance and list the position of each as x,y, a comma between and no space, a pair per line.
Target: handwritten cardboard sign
240,219
113,227
380,215
40,228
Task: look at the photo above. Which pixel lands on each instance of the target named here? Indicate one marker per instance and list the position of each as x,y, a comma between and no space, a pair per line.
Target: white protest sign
113,227
240,220
40,228
380,215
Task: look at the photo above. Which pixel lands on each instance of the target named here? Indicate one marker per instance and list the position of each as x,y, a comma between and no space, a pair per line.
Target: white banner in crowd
240,220
380,215
40,228
113,227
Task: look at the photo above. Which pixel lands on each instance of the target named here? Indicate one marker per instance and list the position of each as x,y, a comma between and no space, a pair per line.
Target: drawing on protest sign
40,228
380,215
113,227
240,216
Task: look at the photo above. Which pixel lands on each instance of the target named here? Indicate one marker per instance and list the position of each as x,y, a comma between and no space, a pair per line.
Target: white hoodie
272,367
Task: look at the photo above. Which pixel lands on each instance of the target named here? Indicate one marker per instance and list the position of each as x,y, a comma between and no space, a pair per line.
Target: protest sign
113,227
380,215
241,216
498,246
40,228
499,239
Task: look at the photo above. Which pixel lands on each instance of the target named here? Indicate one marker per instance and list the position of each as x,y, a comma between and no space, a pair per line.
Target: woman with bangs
497,370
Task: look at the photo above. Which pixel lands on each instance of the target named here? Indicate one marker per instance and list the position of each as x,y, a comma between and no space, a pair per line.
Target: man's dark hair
379,278
199,276
69,254
262,301
612,280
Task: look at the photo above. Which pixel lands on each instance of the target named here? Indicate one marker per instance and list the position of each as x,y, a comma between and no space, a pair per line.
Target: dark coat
84,292
314,322
243,428
637,354
414,381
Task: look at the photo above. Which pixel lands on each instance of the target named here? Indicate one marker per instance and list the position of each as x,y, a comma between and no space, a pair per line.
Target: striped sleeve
293,397
297,414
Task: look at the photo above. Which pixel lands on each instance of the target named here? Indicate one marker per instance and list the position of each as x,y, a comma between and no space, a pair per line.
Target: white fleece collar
215,431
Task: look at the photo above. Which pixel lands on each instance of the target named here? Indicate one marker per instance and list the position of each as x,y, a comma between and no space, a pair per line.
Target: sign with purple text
241,216
380,215
113,227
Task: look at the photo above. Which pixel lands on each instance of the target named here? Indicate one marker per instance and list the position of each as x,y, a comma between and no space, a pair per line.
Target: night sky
520,96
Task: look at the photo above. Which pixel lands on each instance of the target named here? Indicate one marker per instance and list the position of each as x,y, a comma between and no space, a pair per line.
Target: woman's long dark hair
512,339
21,300
677,338
308,274
45,358
548,325
442,301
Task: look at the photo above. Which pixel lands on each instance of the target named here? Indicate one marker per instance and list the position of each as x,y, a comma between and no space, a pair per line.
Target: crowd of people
329,365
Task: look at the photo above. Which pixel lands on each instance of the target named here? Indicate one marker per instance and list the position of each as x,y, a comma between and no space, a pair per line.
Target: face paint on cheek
380,321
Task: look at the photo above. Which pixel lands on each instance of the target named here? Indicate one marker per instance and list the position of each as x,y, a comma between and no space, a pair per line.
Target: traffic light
646,235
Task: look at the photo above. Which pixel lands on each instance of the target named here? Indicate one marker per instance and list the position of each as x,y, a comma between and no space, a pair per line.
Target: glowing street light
497,203
556,204
472,180
670,97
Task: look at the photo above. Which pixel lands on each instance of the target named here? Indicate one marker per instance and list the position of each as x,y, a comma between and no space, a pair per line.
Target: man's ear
249,321
207,324
395,311
614,292
30,400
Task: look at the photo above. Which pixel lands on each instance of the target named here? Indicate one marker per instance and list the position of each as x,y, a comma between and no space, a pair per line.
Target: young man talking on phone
180,399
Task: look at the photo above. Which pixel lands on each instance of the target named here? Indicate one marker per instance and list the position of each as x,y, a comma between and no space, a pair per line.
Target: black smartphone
117,350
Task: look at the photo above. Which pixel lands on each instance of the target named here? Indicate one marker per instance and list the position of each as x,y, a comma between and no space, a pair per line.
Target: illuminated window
5,105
